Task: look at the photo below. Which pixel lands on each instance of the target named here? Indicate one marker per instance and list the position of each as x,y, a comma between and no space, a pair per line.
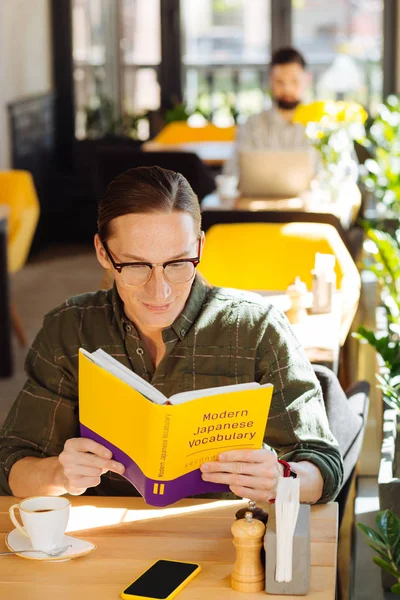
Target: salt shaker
297,293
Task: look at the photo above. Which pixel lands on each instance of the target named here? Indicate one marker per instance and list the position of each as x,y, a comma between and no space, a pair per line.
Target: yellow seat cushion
268,256
179,132
17,190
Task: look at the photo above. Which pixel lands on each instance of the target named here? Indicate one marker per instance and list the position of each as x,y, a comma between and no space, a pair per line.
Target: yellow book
163,441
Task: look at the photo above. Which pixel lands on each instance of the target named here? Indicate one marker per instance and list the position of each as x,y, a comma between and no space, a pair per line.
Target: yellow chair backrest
179,132
268,256
17,190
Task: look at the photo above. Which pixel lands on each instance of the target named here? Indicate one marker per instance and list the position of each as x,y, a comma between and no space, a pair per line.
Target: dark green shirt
222,337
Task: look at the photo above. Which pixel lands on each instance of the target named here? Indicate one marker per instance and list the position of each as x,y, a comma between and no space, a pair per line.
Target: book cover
160,445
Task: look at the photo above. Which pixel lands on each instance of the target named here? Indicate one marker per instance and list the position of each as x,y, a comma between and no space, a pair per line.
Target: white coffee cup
227,188
45,520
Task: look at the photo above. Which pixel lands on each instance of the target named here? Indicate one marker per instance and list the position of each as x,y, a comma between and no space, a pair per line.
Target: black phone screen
161,579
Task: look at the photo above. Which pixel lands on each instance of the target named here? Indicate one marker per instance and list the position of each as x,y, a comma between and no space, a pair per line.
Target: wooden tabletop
212,153
130,536
345,208
321,335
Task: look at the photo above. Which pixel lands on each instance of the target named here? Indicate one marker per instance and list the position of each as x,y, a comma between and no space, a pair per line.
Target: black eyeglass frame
119,266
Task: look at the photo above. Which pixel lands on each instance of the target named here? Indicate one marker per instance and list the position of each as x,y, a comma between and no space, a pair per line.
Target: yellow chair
268,256
179,132
17,190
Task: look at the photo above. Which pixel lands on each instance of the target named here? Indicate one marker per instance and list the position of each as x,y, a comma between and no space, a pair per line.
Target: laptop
275,173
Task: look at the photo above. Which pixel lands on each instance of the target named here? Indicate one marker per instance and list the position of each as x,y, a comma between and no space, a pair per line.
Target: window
343,44
116,55
225,49
141,54
89,55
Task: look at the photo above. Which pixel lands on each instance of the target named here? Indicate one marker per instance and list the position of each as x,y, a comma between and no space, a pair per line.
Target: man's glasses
133,274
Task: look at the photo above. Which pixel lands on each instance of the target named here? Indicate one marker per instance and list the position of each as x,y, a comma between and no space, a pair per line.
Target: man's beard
287,104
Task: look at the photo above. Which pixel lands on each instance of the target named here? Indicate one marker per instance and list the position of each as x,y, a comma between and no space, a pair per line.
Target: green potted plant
385,540
332,128
101,121
383,170
178,112
385,264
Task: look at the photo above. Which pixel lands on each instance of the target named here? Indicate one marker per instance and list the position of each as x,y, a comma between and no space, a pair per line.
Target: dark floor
43,284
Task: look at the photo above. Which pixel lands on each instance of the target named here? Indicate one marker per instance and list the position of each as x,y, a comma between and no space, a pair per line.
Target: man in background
273,129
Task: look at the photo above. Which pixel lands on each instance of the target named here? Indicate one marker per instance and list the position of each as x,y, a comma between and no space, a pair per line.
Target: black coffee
40,510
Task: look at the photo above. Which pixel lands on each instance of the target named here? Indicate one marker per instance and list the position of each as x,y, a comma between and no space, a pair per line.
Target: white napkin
287,505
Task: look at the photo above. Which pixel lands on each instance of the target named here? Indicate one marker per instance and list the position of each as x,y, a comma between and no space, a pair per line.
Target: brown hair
146,190
287,56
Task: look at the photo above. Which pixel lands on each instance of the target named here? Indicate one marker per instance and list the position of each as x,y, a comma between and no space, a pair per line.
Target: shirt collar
182,323
276,116
118,307
194,304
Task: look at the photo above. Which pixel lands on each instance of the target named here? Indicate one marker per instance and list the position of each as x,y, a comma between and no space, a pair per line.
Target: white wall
25,58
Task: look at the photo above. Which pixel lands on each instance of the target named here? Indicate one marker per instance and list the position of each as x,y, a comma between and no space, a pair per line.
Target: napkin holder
301,555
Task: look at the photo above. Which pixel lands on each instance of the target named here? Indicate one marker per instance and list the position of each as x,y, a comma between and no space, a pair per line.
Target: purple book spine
155,492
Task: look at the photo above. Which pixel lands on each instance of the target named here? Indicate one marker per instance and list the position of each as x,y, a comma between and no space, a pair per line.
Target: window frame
170,71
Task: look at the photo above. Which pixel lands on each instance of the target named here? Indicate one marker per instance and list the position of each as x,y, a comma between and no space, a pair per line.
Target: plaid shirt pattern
221,337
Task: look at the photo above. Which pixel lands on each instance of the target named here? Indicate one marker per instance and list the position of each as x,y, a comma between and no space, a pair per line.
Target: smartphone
162,581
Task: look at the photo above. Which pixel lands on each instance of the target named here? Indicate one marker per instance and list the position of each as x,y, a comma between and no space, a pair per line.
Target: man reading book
164,322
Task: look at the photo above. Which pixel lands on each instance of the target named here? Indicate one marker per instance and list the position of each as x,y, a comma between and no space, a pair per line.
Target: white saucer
15,541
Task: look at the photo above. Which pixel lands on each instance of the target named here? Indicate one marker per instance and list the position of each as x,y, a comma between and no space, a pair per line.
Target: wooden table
5,325
212,153
345,209
130,535
320,335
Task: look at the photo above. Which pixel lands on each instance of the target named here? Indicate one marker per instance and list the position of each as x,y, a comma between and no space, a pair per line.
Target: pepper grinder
258,513
248,572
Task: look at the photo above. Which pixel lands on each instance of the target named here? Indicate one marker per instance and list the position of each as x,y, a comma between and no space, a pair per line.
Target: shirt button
128,327
139,351
183,331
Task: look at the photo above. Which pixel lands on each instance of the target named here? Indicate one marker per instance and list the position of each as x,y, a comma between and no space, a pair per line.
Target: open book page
104,360
107,362
227,389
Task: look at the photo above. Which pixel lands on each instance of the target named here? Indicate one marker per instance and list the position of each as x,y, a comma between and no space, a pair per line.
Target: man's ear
101,253
202,242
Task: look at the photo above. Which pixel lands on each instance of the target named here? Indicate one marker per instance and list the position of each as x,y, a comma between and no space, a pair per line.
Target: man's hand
82,462
250,474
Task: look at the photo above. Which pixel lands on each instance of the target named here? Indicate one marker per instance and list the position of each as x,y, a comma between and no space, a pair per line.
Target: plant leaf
388,526
385,566
382,553
396,589
396,555
372,535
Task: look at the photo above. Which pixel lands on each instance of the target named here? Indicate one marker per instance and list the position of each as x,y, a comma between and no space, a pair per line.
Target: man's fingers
85,459
248,481
256,456
91,460
74,455
74,471
257,469
87,445
245,468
